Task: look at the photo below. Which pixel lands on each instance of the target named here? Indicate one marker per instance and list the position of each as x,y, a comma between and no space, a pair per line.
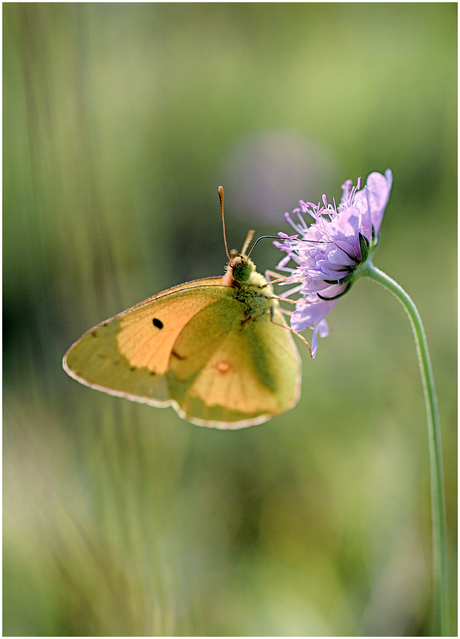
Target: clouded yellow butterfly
217,349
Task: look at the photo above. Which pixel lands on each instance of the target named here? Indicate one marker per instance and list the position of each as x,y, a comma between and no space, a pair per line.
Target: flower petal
330,250
379,192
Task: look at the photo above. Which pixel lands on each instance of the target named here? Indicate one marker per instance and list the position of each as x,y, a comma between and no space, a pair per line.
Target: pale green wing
230,372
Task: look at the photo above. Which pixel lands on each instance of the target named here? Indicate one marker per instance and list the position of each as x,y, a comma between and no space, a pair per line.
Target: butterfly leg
278,278
288,328
268,273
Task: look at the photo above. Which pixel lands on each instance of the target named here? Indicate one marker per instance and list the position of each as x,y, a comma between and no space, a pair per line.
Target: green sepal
364,245
347,278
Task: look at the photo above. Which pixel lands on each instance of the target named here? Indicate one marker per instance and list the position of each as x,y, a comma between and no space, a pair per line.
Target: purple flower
329,253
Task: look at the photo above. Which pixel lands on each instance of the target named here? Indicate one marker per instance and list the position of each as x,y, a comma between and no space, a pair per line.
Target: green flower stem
440,576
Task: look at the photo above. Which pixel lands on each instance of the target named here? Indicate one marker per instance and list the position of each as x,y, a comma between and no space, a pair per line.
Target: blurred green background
120,121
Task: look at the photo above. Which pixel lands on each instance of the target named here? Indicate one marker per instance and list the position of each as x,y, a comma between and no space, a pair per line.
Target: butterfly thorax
249,287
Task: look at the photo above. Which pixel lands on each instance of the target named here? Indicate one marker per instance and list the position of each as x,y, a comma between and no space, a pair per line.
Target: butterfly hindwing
237,370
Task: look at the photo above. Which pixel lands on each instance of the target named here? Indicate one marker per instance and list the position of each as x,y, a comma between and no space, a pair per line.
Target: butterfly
216,349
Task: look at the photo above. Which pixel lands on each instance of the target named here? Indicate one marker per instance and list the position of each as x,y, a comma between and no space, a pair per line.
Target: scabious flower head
329,252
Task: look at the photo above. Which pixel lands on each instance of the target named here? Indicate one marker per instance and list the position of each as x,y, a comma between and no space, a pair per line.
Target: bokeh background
120,121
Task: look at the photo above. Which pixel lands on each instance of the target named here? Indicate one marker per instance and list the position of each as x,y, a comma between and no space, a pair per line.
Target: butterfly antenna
262,237
277,237
221,198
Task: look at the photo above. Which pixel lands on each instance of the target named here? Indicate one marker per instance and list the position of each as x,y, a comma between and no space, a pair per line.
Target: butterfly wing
234,372
128,355
193,347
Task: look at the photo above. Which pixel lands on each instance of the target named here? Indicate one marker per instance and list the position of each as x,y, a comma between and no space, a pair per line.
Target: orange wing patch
147,334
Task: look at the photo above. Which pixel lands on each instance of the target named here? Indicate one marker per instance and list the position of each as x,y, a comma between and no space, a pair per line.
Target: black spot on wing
158,323
177,355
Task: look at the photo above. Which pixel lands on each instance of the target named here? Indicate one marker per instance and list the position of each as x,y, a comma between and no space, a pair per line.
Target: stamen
287,217
302,221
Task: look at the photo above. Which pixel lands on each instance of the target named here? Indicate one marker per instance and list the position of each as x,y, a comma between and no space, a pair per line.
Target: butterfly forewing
115,355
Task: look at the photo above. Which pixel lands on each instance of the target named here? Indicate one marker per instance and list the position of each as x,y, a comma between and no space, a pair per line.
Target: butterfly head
242,268
239,270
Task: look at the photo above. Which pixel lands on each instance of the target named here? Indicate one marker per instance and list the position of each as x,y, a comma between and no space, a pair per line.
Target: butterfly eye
241,273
